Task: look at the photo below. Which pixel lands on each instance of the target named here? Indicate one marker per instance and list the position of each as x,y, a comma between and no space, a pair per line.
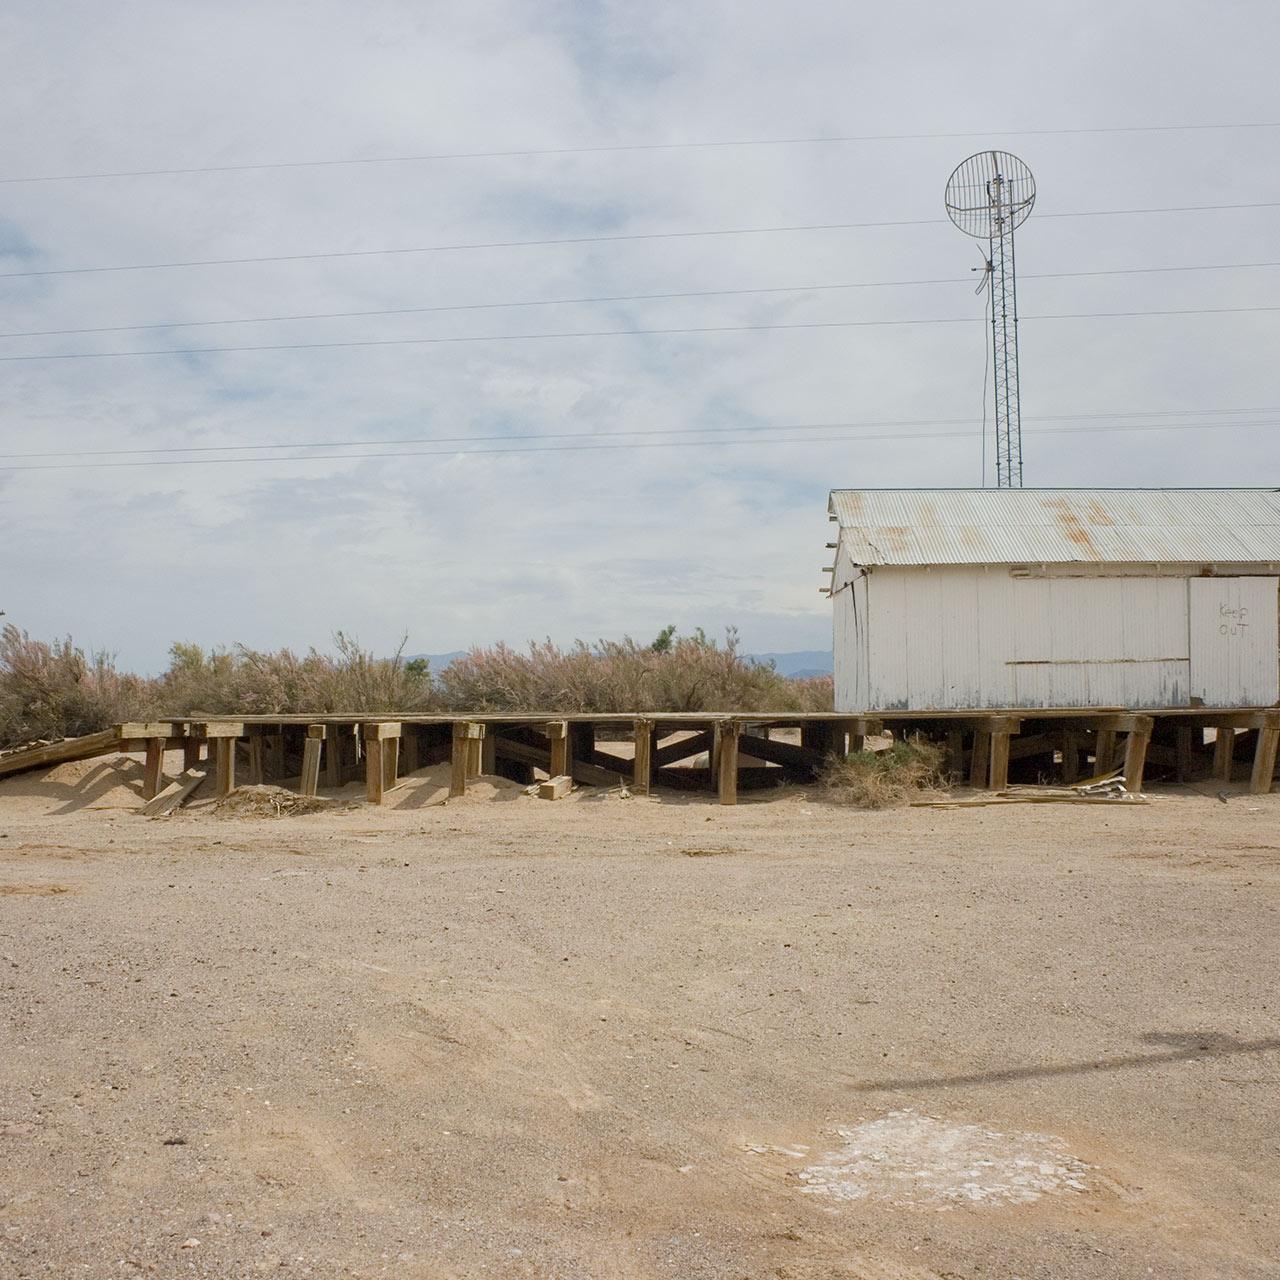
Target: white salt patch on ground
906,1158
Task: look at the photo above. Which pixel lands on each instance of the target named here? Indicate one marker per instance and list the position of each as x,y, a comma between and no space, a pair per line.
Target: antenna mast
988,196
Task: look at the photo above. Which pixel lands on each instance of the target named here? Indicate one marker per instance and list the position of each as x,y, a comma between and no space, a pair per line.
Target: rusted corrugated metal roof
1058,526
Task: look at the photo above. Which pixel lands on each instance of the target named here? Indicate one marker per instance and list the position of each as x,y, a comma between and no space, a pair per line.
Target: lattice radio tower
988,196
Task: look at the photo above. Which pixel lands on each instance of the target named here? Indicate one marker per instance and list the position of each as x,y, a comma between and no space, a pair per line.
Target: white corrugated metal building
988,598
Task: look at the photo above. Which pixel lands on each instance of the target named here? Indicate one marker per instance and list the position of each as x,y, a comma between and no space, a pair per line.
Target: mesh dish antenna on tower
988,196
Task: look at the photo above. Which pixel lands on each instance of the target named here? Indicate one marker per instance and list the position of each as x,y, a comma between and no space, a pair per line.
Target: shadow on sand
1178,1046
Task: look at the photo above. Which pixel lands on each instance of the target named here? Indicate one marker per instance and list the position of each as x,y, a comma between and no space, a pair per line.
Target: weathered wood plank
980,759
683,749
375,783
82,748
224,752
153,768
999,764
642,764
727,770
555,788
1223,754
1264,760
1135,752
312,749
176,794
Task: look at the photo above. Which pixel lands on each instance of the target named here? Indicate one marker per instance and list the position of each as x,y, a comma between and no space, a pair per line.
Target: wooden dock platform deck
644,750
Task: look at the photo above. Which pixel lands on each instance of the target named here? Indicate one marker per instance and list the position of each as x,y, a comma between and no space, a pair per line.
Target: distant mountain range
798,665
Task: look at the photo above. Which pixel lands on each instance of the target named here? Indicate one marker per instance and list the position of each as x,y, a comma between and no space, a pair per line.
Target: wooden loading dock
986,748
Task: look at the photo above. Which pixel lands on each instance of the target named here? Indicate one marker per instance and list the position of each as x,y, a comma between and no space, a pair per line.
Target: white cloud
466,548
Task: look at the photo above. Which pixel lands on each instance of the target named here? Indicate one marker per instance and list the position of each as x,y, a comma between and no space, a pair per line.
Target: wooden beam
150,729
1264,759
1223,751
788,754
464,734
153,768
379,730
82,748
642,766
257,758
999,764
681,750
558,738
980,759
1070,756
488,755
218,729
589,774
555,788
1135,752
1104,750
390,763
190,752
375,782
312,748
475,748
175,795
224,752
728,732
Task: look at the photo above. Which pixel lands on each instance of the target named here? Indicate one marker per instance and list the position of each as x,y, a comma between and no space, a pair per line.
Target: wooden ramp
51,753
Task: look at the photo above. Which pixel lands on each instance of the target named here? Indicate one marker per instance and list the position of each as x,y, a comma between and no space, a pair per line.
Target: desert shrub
58,691
880,779
675,673
252,682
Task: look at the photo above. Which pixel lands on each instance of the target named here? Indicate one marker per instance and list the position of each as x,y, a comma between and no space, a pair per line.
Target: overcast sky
456,549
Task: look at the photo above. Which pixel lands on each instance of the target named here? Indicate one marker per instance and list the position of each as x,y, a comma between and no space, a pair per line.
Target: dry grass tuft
882,779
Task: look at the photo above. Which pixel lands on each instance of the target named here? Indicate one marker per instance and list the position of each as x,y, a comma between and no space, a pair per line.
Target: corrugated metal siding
1233,641
1058,526
975,637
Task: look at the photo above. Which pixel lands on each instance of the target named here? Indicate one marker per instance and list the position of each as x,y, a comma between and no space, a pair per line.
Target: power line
608,239
631,147
630,445
648,431
608,333
620,297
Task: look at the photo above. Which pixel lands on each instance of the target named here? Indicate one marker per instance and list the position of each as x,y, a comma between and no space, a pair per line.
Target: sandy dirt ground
608,1037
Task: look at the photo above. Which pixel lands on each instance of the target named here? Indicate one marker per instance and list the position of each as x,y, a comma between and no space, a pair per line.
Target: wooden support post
489,754
1264,757
1135,752
257,760
955,753
190,752
341,754
375,783
225,766
980,759
558,739
311,750
153,770
642,771
380,758
727,763
475,751
390,763
1104,751
1223,752
999,777
464,734
223,735
1070,756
